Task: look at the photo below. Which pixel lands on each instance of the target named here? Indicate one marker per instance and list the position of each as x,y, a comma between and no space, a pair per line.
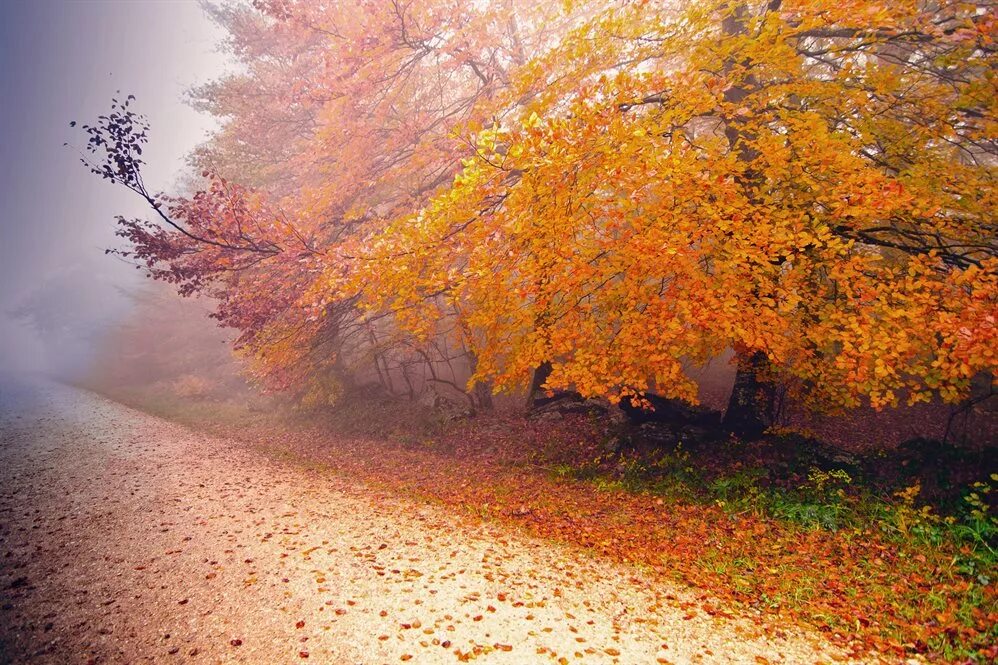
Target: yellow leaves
617,208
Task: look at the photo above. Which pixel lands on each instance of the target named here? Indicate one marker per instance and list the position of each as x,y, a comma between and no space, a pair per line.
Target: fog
63,61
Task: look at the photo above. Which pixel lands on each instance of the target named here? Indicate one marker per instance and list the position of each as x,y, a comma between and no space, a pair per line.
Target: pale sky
63,61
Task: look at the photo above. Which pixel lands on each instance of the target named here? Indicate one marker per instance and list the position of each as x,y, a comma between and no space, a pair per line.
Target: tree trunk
483,395
750,407
541,375
482,390
751,403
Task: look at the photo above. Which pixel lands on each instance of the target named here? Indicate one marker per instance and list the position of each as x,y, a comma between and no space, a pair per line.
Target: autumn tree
610,190
810,183
343,116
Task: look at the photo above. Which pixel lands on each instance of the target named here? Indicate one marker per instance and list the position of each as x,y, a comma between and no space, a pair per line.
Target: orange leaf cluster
616,189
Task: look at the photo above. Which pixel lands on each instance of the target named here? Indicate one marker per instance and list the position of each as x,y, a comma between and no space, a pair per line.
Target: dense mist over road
63,61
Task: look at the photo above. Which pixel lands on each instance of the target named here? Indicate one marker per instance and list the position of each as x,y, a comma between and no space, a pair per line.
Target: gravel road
126,538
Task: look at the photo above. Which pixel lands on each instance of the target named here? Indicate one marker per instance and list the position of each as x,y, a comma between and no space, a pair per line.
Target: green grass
830,501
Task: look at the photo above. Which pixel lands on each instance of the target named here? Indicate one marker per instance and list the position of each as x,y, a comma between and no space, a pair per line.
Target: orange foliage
616,188
813,181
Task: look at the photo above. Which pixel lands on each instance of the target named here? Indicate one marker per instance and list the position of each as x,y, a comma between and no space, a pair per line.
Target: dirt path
126,538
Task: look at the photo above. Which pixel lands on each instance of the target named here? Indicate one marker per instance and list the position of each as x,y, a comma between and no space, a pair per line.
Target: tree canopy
619,189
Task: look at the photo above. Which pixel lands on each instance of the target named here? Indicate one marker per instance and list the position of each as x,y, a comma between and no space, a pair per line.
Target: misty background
64,61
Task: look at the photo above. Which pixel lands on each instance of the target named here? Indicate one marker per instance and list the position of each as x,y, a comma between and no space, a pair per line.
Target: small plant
827,485
979,530
820,502
740,491
977,501
793,508
906,518
562,471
